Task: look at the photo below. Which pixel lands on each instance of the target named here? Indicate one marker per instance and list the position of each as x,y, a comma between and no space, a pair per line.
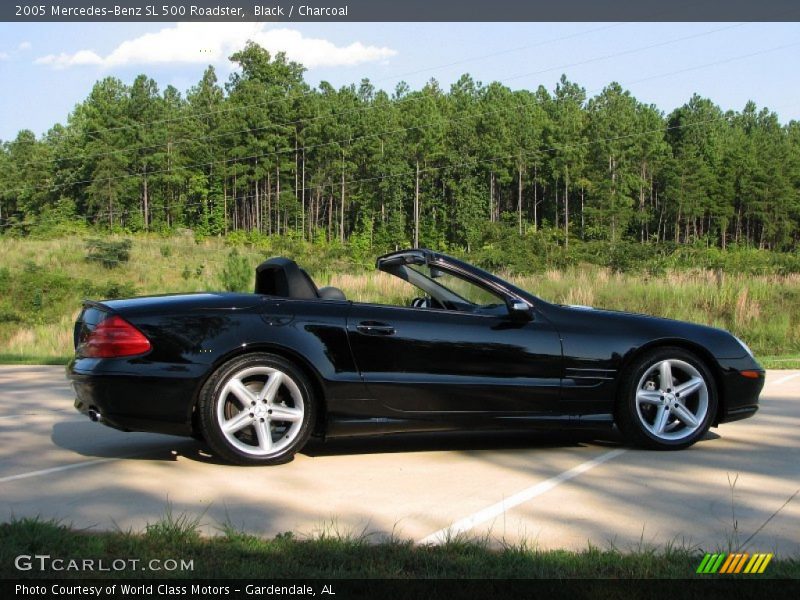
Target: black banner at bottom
392,589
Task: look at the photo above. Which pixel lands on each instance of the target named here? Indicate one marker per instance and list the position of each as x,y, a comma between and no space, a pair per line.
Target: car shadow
87,440
452,441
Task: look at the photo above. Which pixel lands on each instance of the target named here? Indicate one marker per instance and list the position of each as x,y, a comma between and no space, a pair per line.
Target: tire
257,409
654,412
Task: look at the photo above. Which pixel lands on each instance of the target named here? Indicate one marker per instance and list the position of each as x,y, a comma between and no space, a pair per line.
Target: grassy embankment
43,281
331,554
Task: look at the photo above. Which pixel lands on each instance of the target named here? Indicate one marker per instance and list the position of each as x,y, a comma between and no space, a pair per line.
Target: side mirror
519,310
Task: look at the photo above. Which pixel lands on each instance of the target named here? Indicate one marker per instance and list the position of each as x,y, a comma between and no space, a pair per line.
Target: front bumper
740,393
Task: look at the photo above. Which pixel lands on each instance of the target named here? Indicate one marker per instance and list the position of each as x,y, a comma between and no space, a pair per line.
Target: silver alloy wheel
672,399
260,411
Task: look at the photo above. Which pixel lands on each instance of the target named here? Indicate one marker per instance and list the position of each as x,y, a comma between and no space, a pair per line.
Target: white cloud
24,46
4,56
62,61
204,43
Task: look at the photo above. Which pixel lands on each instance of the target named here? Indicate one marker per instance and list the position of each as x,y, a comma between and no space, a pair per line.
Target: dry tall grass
762,310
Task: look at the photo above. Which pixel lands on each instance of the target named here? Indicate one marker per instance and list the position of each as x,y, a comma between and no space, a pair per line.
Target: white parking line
498,509
50,414
86,463
783,379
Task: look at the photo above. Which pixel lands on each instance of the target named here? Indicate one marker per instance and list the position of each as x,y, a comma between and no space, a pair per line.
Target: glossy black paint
379,368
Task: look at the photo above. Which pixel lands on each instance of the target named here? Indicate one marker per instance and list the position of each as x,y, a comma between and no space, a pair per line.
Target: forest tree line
267,152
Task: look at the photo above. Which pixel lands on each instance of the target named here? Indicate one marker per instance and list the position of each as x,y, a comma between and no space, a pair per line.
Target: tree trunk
491,196
330,217
555,217
566,209
110,206
145,202
258,207
416,207
535,198
519,200
341,222
269,203
278,200
225,203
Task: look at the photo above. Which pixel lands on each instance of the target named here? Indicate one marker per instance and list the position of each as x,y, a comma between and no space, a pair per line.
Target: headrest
282,277
331,293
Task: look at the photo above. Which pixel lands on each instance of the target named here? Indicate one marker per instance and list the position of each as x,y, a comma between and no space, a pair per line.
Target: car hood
641,328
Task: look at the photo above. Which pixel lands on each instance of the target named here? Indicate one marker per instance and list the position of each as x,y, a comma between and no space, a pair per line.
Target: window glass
467,290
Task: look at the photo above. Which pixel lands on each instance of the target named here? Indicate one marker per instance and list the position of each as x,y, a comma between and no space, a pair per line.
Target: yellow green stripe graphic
737,562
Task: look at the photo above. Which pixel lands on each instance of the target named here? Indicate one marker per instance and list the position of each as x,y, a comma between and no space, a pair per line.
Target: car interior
283,277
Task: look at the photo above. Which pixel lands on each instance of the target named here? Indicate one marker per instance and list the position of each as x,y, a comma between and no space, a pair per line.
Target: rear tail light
113,337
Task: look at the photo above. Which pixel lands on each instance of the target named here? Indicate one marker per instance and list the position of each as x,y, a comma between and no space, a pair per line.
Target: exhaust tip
94,415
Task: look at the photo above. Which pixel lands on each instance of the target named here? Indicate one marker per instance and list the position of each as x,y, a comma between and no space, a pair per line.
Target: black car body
446,362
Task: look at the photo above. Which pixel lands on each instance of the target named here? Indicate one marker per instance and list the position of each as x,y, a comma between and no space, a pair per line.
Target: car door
426,360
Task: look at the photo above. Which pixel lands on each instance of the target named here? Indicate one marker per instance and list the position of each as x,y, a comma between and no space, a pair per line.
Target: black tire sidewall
627,415
210,426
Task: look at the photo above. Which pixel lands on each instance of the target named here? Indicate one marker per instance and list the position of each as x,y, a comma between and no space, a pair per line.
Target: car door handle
375,328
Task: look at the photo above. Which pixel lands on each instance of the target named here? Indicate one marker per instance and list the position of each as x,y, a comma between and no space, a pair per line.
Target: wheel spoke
285,413
694,384
648,397
665,369
264,434
660,422
240,421
271,387
685,415
241,392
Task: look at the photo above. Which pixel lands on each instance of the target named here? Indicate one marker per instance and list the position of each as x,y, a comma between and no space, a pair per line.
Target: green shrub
237,275
109,253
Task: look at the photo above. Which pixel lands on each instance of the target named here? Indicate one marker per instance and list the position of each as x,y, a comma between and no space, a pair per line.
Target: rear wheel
257,409
667,400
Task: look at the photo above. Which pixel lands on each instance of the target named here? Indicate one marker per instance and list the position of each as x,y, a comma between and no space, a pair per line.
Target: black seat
282,277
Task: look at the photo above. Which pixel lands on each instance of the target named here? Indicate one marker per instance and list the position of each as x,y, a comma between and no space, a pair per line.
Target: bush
237,275
114,289
109,253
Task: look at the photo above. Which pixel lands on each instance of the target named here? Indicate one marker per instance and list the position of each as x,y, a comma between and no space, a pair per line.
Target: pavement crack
772,516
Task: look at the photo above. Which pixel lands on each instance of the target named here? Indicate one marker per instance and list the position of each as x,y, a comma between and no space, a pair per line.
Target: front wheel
667,400
257,409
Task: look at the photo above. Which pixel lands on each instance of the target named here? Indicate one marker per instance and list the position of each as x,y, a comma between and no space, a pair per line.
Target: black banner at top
398,10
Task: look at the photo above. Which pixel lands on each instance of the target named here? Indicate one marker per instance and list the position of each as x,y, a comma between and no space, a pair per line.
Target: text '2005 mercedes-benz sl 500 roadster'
255,375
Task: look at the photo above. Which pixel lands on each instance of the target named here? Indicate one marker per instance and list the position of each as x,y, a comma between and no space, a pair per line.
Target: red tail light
114,337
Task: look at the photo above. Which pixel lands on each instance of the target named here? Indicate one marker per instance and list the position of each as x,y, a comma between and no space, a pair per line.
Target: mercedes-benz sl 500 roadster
255,375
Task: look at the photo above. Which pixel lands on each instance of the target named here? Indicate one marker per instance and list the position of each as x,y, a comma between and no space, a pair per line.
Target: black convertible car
255,375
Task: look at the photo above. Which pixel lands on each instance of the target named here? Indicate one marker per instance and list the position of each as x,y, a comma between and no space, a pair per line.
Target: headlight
745,346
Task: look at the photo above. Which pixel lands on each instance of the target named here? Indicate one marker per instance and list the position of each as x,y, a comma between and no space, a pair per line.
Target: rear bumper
145,398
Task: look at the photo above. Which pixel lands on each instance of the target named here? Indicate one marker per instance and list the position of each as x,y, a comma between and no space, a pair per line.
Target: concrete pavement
555,491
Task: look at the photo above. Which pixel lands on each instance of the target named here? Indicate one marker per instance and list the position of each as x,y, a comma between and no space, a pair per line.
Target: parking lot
554,491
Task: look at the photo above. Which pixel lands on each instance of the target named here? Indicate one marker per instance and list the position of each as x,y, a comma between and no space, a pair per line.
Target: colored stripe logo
734,563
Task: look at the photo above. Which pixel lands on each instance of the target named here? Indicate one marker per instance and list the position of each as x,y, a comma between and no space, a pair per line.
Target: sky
47,68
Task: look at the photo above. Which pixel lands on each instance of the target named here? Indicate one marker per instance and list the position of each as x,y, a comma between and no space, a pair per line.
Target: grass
42,283
333,554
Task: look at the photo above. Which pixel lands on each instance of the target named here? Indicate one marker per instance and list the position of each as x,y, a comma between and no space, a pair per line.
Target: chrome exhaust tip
94,415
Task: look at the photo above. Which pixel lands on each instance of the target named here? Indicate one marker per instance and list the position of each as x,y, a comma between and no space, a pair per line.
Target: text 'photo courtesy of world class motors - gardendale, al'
381,301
